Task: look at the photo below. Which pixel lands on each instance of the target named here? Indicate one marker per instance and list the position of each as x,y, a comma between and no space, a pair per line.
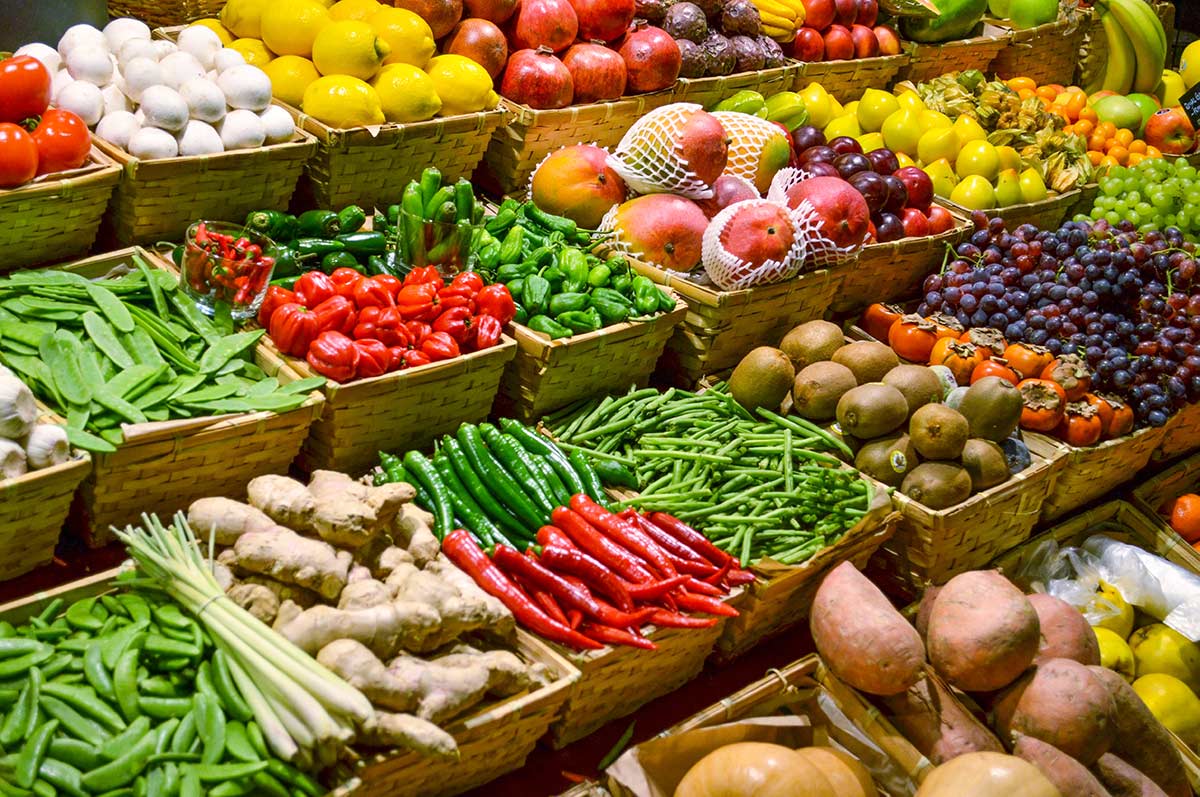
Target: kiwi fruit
992,406
818,389
868,359
937,485
985,462
938,432
871,410
762,379
812,342
888,459
919,385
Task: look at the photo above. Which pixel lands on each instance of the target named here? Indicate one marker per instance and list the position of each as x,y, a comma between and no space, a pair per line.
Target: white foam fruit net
648,157
731,272
747,136
822,252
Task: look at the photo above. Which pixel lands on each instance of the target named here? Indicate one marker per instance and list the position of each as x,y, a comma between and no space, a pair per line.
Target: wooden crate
1047,53
55,217
1086,474
931,546
157,13
1182,435
720,327
928,61
708,91
848,79
1162,489
548,374
1046,215
393,412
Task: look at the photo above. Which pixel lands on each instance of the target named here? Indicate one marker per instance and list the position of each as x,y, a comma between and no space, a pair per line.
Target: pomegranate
842,212
605,20
597,71
652,58
663,229
481,41
727,190
542,23
494,11
538,79
442,15
578,183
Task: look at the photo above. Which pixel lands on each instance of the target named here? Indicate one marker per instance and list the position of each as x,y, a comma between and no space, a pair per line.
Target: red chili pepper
346,281
666,619
549,535
672,546
389,328
607,552
545,600
202,236
373,358
616,636
294,328
420,302
369,293
624,532
487,332
367,326
574,619
413,358
655,590
393,284
458,323
427,275
314,287
417,332
692,567
440,346
739,577
337,313
334,355
689,537
719,576
496,301
704,603
576,563
276,297
461,549
703,588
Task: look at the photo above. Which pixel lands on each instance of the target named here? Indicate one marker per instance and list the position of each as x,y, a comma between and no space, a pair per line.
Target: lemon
1172,704
362,10
349,48
1118,614
290,76
910,100
1009,158
254,51
1160,649
936,144
818,103
409,36
463,85
341,101
1115,653
844,125
241,17
216,27
406,93
290,26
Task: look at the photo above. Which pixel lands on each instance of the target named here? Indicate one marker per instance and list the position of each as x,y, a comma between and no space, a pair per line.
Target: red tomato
24,88
63,141
18,156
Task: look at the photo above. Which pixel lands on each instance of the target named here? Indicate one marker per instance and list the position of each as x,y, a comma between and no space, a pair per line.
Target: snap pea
72,721
210,724
61,776
24,716
164,707
75,752
19,665
85,700
125,684
121,771
230,697
237,742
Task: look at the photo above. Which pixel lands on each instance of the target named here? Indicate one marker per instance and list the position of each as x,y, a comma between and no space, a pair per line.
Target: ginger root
384,629
413,531
364,594
449,685
461,610
359,573
286,556
500,623
288,610
256,599
225,519
284,500
405,730
350,513
363,670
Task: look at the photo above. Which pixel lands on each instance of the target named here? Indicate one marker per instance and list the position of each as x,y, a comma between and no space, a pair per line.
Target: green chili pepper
489,255
580,320
548,326
574,266
351,219
464,200
434,205
513,271
612,295
431,181
317,224
335,260
536,294
412,201
621,282
501,222
317,246
567,302
364,243
446,213
645,295
599,275
392,214
666,302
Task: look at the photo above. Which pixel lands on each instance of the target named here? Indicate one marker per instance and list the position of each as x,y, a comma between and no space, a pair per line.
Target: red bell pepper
346,281
458,323
419,302
294,328
417,332
313,288
337,313
275,298
370,293
467,284
413,358
624,532
496,301
367,326
334,355
393,284
428,275
373,358
439,346
389,328
487,332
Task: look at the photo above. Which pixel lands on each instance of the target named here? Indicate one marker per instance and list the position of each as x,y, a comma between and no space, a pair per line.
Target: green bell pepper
516,288
566,303
574,266
581,320
536,294
645,295
548,326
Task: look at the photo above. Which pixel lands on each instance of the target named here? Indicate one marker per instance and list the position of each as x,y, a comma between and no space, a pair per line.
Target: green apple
1031,13
999,8
1148,106
1121,111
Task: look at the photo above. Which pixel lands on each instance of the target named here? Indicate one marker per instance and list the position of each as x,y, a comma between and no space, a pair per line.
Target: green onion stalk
307,713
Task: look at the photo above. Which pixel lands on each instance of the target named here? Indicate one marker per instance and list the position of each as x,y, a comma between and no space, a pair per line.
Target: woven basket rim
80,460
521,332
100,168
1050,202
527,115
789,66
301,139
325,133
711,295
874,61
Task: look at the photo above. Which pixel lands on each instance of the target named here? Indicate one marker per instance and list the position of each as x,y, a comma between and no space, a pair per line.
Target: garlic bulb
18,410
12,460
47,445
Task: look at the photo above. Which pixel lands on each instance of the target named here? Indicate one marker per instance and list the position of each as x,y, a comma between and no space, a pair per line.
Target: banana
780,35
783,23
1145,34
1152,20
777,8
1118,71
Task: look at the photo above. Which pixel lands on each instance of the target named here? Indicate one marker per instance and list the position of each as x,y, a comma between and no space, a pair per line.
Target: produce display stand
528,135
164,466
55,217
847,79
546,374
1047,214
931,546
1085,474
894,270
165,12
1047,53
720,327
928,61
1163,488
393,412
708,91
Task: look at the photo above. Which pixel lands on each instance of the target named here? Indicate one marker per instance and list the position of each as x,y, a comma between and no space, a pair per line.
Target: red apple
868,12
916,224
819,13
865,43
889,42
1170,131
920,187
841,209
808,45
839,44
940,220
846,11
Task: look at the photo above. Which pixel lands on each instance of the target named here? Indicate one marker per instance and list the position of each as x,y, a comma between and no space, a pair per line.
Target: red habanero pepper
704,603
368,323
276,297
346,281
334,355
458,323
370,293
576,563
466,284
419,302
413,358
604,550
428,275
393,284
656,589
689,537
496,301
665,619
373,358
389,328
616,636
468,556
439,346
396,357
417,332
336,314
313,288
487,332
624,532
448,300
294,328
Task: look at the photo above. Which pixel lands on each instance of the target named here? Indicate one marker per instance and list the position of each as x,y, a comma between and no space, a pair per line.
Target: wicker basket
1086,474
55,217
1047,53
394,412
886,272
547,374
1046,215
721,326
708,91
931,546
156,13
528,136
1162,489
928,61
158,199
846,80
1182,435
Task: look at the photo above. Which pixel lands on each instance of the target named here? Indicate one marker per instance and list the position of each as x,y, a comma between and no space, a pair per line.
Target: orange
1135,158
1137,147
1106,129
1153,152
1097,142
1095,157
1018,83
1088,113
1119,154
1185,517
1084,127
1076,103
1124,137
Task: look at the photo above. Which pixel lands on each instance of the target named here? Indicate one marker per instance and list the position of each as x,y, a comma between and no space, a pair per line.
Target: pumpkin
754,769
987,775
847,776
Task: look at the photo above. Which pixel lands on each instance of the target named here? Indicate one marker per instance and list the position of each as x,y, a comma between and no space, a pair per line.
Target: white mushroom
118,127
200,138
279,125
42,52
114,99
180,67
204,99
140,74
246,87
62,78
201,42
77,35
119,31
242,129
137,48
227,59
90,63
150,142
164,108
83,99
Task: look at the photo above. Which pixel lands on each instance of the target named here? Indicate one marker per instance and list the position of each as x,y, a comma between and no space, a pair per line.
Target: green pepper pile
322,239
560,287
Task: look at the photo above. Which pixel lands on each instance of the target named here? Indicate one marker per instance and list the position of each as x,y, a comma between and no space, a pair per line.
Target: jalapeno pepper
574,266
364,243
581,320
335,260
275,224
536,294
286,263
645,295
548,326
317,246
566,303
317,224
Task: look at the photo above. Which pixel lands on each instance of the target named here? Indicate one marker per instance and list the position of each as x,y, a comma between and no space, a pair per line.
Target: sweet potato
1067,774
1062,703
923,610
1141,739
861,636
1065,632
1125,780
983,632
936,723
